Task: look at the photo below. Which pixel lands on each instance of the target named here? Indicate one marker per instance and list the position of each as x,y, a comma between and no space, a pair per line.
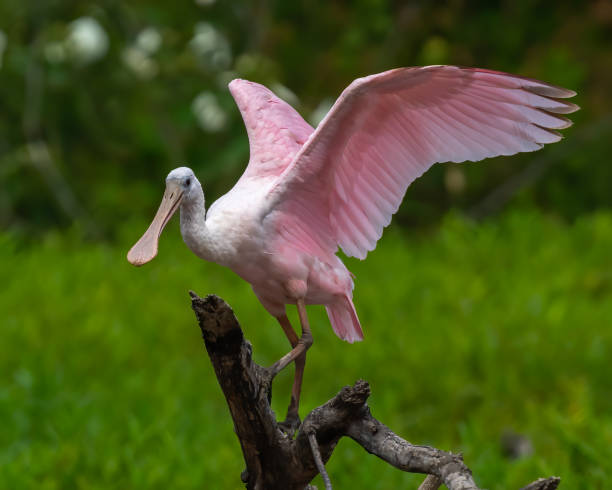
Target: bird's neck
193,224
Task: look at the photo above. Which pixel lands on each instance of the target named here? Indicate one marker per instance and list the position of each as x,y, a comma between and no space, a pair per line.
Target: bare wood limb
544,484
246,389
276,461
378,439
314,447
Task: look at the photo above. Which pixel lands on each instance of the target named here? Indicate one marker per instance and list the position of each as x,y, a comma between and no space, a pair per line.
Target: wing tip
245,91
234,84
549,90
564,107
553,136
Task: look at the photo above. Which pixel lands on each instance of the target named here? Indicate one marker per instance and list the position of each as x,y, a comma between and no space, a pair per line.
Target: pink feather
388,129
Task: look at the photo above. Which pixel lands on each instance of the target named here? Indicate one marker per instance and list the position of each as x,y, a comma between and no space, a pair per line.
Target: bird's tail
343,318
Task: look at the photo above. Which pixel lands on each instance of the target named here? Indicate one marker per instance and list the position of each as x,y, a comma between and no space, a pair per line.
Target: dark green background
476,331
113,135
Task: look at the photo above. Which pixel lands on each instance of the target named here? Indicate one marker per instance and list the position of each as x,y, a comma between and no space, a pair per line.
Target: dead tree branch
276,461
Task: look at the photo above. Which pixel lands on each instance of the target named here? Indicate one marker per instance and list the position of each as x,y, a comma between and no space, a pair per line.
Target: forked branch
276,461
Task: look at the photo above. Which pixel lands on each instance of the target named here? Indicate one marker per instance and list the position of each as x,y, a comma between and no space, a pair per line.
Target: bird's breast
232,238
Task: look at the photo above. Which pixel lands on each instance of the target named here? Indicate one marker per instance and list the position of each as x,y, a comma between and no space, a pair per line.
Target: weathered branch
544,484
276,461
316,454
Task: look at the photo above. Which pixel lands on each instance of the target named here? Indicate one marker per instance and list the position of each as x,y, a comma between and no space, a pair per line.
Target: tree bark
274,460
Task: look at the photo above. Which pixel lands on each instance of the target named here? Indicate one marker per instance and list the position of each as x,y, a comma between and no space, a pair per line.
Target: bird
306,193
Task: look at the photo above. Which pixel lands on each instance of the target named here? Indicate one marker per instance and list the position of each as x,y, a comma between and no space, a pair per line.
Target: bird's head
183,178
180,183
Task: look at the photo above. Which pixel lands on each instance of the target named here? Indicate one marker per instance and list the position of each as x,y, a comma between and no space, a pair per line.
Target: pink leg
300,361
297,354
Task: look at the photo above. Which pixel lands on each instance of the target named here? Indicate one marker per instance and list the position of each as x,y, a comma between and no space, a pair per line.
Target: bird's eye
188,182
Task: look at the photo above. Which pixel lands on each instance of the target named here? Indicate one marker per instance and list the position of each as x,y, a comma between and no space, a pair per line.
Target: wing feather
276,131
386,130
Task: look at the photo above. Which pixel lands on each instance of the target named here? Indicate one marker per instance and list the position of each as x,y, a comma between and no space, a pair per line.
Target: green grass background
470,330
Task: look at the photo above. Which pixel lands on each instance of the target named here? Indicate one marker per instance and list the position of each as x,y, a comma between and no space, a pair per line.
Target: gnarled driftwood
276,461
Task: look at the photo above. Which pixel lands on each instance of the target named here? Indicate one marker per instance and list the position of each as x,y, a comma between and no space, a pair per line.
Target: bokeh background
487,305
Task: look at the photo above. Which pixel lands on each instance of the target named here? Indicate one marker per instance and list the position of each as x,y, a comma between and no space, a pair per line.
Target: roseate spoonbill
306,192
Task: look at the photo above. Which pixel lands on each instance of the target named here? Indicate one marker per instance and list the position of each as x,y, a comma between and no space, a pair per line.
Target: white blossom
149,40
208,112
87,40
211,46
139,62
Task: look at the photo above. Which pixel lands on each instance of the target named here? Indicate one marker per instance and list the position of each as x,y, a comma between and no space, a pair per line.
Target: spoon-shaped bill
145,249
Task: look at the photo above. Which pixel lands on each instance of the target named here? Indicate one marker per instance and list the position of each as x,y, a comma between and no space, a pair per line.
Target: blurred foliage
106,383
115,94
500,326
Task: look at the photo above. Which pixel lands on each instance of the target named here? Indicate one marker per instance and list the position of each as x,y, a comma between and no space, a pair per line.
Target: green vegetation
122,92
471,330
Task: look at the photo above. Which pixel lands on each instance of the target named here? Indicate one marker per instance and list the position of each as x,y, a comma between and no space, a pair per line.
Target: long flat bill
145,249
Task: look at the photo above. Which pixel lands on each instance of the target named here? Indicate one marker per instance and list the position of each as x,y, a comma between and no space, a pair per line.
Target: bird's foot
291,424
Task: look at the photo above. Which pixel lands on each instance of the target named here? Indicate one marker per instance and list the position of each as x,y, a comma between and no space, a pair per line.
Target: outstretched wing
276,131
386,130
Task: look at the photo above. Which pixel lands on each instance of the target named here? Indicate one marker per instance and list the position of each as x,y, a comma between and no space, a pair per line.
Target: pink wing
276,131
386,130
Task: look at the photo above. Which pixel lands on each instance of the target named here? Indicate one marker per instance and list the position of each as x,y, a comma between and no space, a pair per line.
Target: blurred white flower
208,112
87,41
2,45
204,3
138,56
320,111
138,61
210,45
149,40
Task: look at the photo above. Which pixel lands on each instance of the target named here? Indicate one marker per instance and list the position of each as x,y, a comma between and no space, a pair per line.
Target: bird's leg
297,354
303,343
292,420
300,362
288,329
